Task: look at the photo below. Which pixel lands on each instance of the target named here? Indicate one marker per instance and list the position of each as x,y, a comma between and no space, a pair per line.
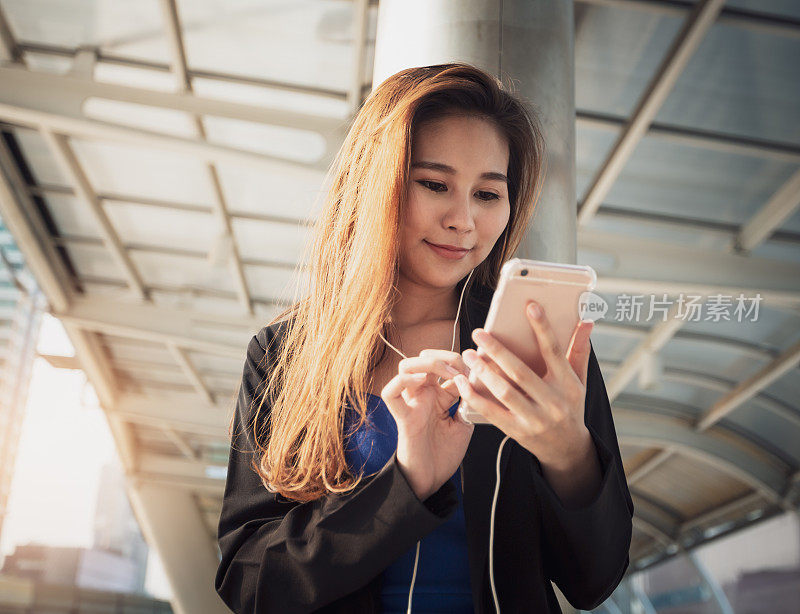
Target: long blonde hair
331,342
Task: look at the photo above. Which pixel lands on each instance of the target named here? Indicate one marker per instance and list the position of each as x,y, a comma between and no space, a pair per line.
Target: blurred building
115,527
116,562
20,318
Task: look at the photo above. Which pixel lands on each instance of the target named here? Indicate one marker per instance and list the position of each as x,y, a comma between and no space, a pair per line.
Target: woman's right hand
430,444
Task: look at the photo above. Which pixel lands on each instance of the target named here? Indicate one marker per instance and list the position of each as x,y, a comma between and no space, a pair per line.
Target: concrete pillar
528,41
172,524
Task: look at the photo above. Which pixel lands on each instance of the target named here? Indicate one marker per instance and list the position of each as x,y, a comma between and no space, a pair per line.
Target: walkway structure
160,168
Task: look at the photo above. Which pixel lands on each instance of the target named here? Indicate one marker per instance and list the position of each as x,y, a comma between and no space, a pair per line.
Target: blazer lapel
479,464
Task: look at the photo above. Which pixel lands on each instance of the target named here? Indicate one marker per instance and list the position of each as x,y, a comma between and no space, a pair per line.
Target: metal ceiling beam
177,466
205,486
64,155
360,14
655,514
111,199
697,137
773,25
645,218
175,36
187,291
117,60
30,234
689,226
9,51
163,325
641,427
644,266
21,85
720,344
166,250
182,412
658,336
94,129
713,516
729,402
686,42
641,522
181,443
746,439
775,212
747,389
191,372
20,215
717,384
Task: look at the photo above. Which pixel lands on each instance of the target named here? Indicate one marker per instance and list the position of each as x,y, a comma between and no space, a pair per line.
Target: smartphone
557,288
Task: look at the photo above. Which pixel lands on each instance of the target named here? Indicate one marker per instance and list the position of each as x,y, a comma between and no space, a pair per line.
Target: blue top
442,583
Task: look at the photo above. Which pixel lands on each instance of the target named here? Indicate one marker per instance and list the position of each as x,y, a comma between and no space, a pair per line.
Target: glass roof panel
294,41
126,29
284,244
71,217
152,119
272,283
290,195
793,223
37,155
46,62
271,97
672,178
775,431
147,172
163,227
135,76
174,270
617,52
785,8
280,141
739,81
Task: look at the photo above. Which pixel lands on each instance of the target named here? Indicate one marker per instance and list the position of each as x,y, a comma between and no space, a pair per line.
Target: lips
449,254
454,250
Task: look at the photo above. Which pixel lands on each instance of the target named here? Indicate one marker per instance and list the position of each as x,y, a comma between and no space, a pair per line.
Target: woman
353,486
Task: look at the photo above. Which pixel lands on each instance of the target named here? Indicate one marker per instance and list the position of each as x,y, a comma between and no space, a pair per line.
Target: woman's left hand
547,417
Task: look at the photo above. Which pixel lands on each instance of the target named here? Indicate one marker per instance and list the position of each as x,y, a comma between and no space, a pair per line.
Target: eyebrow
446,168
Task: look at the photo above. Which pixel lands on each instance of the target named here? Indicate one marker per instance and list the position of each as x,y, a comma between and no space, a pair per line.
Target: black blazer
280,556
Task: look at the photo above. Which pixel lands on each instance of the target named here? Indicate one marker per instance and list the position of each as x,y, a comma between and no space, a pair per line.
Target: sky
64,442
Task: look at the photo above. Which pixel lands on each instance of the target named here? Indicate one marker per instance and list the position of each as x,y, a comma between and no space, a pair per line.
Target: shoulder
270,335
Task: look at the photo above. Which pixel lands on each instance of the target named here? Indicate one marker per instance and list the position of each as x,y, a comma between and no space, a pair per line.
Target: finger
502,389
507,363
428,364
579,349
493,412
392,393
454,359
449,387
553,355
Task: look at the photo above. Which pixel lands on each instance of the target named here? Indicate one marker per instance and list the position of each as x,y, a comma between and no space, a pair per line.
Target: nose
460,214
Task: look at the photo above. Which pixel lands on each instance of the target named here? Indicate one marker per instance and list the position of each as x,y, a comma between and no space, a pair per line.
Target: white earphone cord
496,488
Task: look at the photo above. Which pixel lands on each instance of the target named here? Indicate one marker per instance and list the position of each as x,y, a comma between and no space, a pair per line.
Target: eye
428,185
436,185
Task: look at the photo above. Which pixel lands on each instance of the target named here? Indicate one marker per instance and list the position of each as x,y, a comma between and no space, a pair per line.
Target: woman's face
457,196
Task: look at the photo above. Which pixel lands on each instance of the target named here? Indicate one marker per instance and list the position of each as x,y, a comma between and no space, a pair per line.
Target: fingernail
535,310
451,370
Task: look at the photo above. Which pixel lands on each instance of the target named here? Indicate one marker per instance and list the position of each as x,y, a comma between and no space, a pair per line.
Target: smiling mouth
450,249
